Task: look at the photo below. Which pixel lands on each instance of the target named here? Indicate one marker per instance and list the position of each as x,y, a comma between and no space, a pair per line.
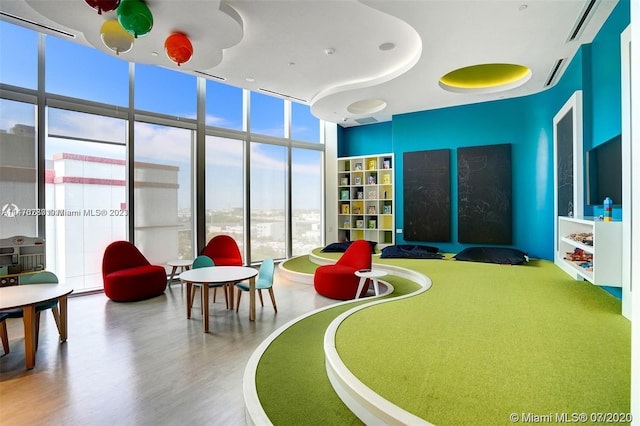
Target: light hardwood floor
142,363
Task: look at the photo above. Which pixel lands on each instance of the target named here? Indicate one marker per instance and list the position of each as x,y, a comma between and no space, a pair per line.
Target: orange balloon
178,48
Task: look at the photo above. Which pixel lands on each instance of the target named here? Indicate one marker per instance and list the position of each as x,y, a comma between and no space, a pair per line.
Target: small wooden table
183,264
373,275
219,275
27,297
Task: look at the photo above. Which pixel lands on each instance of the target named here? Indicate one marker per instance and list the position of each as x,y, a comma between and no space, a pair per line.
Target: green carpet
483,342
291,377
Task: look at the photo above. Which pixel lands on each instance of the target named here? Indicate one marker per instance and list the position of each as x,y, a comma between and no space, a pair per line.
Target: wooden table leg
62,302
189,290
230,289
252,299
173,272
29,319
205,307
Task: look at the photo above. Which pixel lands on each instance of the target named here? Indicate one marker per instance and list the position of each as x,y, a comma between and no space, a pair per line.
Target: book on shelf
358,166
344,181
357,180
386,163
372,179
345,209
371,224
372,195
359,223
344,194
356,210
371,210
372,165
386,179
346,223
386,209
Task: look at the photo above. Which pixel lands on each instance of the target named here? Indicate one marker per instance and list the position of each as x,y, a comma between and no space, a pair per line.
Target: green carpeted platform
484,342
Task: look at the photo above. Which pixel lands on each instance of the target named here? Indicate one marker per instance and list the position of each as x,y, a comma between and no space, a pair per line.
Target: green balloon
135,17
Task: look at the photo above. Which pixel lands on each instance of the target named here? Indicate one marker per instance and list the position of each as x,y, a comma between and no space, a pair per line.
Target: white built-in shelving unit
366,199
606,249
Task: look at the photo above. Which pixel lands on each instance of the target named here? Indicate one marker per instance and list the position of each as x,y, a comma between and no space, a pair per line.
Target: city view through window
89,189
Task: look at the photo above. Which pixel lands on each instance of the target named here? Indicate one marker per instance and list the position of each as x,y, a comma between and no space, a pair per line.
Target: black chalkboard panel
427,195
484,194
564,164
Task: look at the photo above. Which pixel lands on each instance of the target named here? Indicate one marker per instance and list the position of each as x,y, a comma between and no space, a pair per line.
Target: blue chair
263,282
3,333
44,277
203,261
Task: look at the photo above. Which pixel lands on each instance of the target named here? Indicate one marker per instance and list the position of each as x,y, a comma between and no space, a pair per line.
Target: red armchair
224,251
338,281
128,276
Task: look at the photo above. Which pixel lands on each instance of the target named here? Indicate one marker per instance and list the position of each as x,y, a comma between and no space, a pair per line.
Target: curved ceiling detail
334,54
220,28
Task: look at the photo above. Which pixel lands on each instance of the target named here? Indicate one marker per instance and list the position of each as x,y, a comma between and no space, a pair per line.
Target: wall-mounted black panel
427,195
484,194
564,163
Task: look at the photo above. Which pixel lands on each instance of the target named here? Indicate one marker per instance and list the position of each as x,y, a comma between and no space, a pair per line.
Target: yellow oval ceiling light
485,78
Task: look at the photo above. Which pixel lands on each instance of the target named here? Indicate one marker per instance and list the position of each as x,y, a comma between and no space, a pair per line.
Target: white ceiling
327,52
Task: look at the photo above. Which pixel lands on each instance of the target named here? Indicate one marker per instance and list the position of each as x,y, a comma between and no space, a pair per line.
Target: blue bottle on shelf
608,209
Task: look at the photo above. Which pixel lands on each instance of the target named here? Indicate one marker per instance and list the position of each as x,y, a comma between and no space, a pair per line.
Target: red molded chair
224,251
128,276
338,281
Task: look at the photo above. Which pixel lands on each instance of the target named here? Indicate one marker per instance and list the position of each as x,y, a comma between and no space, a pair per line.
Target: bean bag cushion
342,246
501,255
410,251
339,281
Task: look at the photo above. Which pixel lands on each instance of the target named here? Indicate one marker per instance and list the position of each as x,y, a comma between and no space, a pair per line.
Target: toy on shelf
579,255
585,238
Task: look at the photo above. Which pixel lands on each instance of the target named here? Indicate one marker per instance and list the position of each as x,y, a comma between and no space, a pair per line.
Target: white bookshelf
366,207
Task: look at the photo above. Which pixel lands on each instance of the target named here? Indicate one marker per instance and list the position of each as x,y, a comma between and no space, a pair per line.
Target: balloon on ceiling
178,48
115,37
135,17
103,5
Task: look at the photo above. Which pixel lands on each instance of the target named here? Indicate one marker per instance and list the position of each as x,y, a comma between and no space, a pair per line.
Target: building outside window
89,131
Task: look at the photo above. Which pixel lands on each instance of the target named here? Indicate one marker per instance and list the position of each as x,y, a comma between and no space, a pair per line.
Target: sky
103,78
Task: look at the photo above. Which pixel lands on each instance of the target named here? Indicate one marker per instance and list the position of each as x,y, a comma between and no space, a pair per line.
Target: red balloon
178,48
103,5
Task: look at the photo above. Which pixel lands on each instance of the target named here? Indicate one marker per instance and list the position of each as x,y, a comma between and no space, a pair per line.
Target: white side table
183,264
372,275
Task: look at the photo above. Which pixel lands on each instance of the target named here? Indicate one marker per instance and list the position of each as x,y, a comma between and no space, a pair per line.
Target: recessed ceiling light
329,51
250,79
367,106
522,7
154,53
387,46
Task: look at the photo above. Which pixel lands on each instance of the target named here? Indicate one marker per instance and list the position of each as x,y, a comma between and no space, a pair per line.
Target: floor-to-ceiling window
224,174
18,175
163,192
104,151
268,201
306,201
85,181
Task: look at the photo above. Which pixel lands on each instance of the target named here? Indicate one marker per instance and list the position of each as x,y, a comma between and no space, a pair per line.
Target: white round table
372,275
27,297
219,275
183,264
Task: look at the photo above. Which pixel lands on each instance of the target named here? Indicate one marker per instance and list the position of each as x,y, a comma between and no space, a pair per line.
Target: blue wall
525,122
